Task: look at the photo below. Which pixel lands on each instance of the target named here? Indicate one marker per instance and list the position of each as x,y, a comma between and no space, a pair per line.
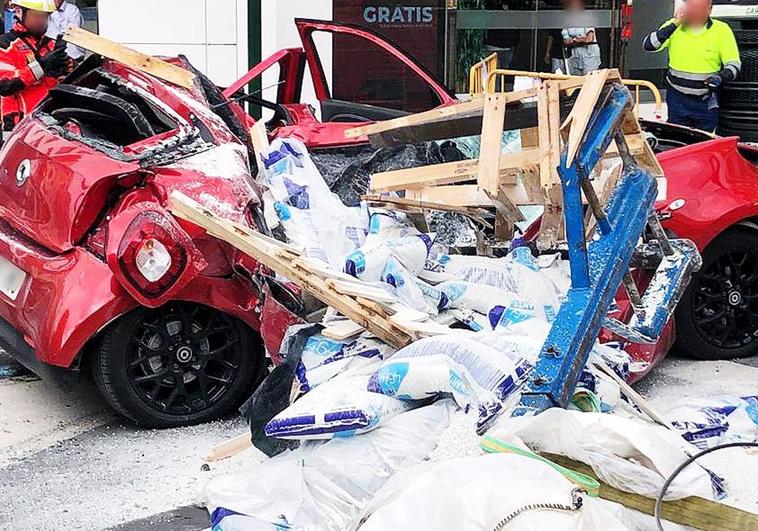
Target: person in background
503,42
30,62
555,53
582,45
65,16
7,15
703,55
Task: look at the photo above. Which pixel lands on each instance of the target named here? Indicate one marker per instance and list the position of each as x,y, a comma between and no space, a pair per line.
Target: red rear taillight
627,26
150,255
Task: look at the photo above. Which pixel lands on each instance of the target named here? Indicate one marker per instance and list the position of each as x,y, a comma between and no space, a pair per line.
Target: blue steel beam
596,271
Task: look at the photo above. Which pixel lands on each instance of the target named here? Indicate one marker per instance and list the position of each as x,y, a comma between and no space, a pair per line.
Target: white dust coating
678,379
459,439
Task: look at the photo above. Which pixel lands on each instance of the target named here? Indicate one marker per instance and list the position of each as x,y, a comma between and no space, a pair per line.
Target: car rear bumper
14,345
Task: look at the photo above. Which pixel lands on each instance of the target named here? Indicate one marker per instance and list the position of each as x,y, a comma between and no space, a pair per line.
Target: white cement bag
324,485
481,369
369,262
340,407
476,493
390,225
708,422
627,454
458,294
312,216
412,291
323,358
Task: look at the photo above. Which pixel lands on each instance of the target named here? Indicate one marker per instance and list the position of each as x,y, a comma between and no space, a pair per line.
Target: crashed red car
95,271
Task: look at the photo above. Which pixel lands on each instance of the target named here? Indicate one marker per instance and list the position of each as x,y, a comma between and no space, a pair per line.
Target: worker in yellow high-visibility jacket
703,55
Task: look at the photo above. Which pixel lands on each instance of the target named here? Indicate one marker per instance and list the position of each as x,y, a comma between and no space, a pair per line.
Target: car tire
178,365
717,318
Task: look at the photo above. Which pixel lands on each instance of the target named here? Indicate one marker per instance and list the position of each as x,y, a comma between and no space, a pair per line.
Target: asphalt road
67,462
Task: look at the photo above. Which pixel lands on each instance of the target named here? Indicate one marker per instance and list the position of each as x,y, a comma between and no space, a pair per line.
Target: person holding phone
703,56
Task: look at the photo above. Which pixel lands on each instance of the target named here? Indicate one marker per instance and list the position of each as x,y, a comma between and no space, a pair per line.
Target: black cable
684,465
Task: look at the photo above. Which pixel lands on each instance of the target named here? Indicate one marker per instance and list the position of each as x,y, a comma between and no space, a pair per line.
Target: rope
576,504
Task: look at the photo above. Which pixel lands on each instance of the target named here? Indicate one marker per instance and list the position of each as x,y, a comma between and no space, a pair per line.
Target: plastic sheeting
710,421
627,454
476,493
324,486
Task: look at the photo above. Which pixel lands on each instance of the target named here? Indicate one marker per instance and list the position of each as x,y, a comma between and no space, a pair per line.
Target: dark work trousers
692,111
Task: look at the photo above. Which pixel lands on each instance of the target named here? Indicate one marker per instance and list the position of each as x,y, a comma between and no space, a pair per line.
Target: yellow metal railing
494,75
479,74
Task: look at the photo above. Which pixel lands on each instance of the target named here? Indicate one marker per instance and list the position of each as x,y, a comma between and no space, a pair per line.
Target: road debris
410,324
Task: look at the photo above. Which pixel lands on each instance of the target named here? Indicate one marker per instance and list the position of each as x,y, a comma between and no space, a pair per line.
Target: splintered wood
367,307
500,180
118,52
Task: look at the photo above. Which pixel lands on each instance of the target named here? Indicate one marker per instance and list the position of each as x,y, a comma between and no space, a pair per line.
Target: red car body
73,207
69,206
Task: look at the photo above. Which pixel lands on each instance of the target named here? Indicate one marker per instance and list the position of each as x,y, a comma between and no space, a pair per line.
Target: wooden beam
342,330
440,113
694,511
554,124
491,144
229,448
267,253
579,119
139,61
543,124
466,108
451,172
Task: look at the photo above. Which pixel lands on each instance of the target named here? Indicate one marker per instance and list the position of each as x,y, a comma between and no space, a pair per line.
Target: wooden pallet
506,181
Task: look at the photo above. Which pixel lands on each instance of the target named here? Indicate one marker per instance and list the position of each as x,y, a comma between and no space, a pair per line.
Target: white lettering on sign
398,14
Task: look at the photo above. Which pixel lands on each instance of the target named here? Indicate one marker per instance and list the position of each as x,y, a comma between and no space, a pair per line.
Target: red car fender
123,222
711,187
60,341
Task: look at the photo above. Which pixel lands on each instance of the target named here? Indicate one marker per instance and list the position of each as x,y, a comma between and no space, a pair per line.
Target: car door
372,80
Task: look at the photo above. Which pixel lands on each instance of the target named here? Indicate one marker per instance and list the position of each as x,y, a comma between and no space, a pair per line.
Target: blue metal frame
596,271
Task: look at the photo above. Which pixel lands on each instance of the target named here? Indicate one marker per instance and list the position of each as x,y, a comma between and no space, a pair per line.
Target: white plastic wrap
340,407
627,454
312,216
476,493
324,486
710,421
369,262
480,370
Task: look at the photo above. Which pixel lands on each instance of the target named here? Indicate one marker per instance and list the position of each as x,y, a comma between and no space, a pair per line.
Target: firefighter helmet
46,6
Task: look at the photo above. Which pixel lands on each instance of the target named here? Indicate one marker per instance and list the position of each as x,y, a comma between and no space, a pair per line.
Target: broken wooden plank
418,198
635,397
342,330
453,197
132,58
451,172
694,511
266,253
440,113
553,224
491,142
577,122
543,121
259,139
554,124
229,448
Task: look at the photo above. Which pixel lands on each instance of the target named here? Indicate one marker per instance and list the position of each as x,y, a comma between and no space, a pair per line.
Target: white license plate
11,279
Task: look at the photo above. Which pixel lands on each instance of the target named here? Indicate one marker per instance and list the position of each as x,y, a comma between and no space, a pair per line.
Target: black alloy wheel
177,365
718,316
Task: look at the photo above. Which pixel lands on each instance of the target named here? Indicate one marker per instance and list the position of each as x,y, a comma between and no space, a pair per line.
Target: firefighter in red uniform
30,63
